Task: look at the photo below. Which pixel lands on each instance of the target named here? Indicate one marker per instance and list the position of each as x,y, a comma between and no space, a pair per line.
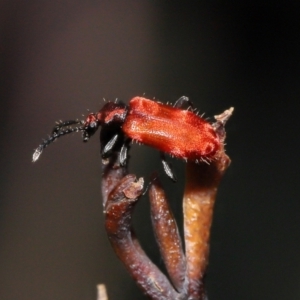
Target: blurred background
59,58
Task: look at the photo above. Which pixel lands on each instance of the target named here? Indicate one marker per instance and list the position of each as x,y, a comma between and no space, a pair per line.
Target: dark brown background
59,58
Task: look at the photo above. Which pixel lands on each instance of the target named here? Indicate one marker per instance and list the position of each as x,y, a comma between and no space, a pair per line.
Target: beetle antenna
38,151
60,124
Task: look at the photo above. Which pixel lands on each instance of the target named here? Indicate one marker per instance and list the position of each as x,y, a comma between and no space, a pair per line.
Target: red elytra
172,130
177,132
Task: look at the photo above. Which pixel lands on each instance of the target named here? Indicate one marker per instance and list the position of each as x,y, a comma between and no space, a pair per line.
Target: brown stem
112,174
119,208
202,181
101,292
198,202
167,235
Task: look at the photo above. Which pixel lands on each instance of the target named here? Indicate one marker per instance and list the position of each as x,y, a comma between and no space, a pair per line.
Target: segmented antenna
38,151
61,124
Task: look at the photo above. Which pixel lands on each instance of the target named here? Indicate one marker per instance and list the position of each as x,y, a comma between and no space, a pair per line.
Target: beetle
179,132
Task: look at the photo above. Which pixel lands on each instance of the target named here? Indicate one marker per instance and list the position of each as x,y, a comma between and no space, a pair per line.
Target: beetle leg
124,152
167,167
184,101
110,144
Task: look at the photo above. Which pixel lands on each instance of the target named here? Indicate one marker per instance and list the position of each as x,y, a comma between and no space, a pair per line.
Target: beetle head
90,126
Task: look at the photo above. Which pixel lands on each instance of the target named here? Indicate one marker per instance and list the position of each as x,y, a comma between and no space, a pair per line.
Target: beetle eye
92,125
89,130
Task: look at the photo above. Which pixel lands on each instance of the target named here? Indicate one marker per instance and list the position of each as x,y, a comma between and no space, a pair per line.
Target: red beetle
170,129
